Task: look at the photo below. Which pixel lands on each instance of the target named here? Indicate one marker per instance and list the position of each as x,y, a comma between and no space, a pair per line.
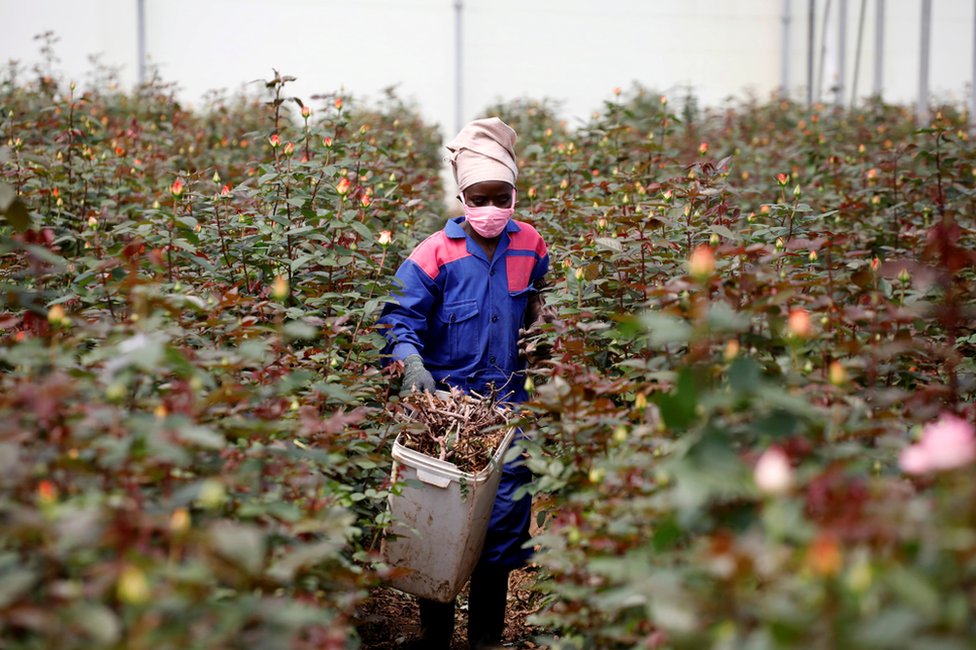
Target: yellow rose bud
212,494
280,288
179,521
836,374
132,587
620,434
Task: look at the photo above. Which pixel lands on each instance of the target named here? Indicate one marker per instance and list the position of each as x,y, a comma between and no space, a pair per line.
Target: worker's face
496,193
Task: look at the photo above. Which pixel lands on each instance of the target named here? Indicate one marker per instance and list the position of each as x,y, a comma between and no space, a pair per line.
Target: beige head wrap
484,150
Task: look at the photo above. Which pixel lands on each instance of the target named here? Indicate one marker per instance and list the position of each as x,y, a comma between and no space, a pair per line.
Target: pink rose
773,473
947,443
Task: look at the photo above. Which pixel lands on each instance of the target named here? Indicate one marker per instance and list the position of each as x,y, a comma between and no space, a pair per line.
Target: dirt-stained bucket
439,521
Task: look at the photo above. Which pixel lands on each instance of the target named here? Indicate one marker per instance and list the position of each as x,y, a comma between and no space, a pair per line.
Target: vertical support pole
841,52
879,25
811,26
972,87
141,39
458,68
784,59
823,50
857,54
922,107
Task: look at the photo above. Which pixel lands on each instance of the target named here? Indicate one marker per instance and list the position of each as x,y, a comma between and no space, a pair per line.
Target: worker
464,297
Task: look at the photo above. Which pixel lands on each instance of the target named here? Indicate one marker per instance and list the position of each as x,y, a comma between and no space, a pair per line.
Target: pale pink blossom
773,473
947,443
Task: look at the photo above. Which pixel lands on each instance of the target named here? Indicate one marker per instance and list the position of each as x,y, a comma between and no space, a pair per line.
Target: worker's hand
416,376
534,344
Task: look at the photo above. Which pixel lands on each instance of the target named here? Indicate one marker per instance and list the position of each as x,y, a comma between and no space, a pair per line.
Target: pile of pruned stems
453,426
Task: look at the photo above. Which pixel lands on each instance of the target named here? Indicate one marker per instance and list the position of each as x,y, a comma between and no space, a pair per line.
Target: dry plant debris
456,427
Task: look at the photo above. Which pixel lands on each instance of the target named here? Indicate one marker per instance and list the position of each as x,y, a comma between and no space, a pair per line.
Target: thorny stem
220,234
362,314
288,239
940,198
789,233
169,247
71,136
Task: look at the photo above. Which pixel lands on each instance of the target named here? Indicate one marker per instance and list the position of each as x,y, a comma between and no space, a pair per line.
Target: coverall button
494,318
491,359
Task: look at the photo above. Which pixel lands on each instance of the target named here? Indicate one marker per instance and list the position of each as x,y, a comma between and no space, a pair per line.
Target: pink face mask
488,220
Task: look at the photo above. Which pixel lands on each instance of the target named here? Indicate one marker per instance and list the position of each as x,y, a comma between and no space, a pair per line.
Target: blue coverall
462,314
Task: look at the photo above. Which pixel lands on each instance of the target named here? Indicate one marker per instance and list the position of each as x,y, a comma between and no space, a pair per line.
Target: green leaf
15,584
744,375
13,209
201,436
609,243
678,407
298,329
722,318
362,229
663,329
722,231
97,621
240,544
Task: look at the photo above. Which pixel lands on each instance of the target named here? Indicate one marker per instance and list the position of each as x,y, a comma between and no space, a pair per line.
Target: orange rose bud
703,148
782,179
731,350
306,112
280,288
275,141
47,492
836,373
55,315
365,200
824,556
343,187
799,324
179,521
176,189
701,264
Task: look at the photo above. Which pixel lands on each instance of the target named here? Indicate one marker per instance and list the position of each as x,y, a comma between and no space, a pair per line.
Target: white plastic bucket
438,528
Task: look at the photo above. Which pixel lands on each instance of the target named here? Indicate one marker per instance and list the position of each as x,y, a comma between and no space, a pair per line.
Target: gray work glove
534,344
415,376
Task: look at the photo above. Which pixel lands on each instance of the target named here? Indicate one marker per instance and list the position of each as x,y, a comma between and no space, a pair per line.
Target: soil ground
389,619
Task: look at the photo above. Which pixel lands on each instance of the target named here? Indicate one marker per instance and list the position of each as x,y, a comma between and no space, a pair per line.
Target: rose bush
193,444
760,308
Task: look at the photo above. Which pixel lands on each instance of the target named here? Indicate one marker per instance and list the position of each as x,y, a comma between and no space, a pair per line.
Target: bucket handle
431,478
